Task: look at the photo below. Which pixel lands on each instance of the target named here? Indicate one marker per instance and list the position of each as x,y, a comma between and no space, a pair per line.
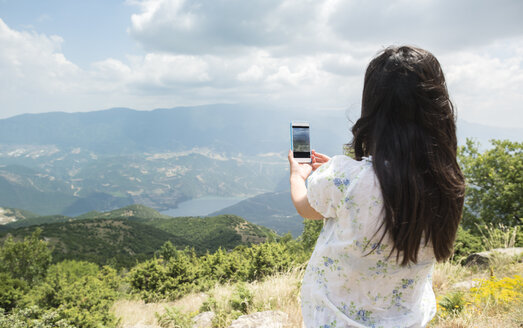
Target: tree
494,184
27,260
311,232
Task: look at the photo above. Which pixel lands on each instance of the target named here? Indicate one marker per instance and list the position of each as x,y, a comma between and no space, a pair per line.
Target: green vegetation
211,233
176,273
132,234
26,260
131,211
119,242
495,184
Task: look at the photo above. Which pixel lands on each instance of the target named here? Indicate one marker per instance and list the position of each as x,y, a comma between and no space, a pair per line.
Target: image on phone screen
301,142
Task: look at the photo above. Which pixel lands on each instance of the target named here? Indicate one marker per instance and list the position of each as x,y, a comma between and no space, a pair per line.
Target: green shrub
27,260
33,317
466,243
242,299
11,291
79,292
174,318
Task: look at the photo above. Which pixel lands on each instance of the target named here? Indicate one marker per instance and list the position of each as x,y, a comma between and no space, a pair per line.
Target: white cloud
299,53
32,66
24,53
205,26
487,89
254,73
439,25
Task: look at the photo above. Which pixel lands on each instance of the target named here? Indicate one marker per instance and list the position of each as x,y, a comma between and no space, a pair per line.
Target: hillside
120,242
272,210
8,215
209,233
127,235
131,211
38,220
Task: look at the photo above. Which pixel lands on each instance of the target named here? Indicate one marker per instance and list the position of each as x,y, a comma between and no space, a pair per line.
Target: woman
390,212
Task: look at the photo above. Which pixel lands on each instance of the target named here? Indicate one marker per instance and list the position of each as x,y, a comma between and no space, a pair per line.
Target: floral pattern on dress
351,281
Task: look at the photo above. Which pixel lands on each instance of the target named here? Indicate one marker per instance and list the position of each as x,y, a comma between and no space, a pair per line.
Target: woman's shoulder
343,167
346,162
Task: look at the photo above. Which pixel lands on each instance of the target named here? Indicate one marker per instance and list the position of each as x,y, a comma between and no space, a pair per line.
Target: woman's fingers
320,158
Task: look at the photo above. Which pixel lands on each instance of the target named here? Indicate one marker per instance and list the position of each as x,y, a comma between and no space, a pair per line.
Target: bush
184,272
27,260
33,317
174,318
466,243
242,299
79,292
11,291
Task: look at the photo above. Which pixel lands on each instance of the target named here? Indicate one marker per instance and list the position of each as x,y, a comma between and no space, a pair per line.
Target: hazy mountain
60,182
72,163
272,210
483,133
222,128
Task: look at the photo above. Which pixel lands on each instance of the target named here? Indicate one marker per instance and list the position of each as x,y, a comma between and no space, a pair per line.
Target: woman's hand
318,159
298,170
300,173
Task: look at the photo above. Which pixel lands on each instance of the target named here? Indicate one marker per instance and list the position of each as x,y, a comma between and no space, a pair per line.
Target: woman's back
387,220
351,281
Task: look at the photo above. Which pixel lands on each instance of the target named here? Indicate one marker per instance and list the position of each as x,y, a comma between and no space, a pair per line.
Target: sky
76,55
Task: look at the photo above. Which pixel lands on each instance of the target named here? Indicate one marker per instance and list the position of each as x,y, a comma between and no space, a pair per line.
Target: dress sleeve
327,186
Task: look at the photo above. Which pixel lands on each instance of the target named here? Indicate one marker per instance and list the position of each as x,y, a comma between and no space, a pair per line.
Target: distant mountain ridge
244,129
222,128
272,210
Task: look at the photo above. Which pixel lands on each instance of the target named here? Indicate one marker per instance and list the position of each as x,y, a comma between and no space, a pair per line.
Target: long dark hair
408,125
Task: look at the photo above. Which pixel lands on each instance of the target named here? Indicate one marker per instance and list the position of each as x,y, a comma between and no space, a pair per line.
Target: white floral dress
344,285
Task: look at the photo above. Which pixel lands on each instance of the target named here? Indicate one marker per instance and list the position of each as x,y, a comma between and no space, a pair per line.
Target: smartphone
301,142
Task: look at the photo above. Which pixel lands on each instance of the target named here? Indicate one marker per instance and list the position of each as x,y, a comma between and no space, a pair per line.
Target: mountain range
74,163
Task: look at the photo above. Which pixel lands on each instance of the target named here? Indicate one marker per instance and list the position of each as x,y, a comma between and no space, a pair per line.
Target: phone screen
301,145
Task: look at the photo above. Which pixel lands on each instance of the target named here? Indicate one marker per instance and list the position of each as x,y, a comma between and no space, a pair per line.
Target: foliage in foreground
67,294
494,184
176,273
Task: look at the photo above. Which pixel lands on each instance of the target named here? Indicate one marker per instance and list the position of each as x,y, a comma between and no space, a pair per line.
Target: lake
202,206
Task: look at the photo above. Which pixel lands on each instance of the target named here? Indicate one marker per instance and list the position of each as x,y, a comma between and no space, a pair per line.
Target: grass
493,297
